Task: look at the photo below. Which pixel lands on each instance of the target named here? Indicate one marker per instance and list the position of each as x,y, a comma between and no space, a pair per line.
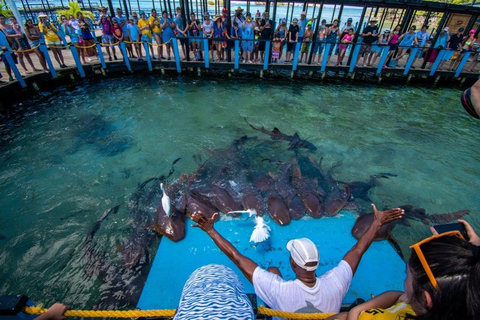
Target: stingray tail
396,246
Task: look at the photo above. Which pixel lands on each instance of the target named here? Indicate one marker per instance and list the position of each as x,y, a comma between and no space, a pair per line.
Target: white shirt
293,296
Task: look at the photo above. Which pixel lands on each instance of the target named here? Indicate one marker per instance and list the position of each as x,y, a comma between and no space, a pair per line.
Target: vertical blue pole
125,55
325,56
44,50
206,55
437,62
295,56
353,62
410,61
237,49
383,58
8,56
266,55
100,56
147,55
462,64
177,56
61,34
13,66
73,49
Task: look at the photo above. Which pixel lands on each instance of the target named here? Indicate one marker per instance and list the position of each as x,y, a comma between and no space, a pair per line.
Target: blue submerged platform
381,268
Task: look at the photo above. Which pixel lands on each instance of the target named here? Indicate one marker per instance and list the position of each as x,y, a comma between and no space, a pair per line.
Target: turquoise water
85,149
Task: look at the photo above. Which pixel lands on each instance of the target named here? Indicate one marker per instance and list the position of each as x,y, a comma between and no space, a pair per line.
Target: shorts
318,47
275,54
305,47
366,48
146,38
183,41
291,46
393,47
54,43
261,45
108,39
158,34
34,43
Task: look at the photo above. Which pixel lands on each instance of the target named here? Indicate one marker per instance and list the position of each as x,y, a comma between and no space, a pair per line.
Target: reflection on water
73,157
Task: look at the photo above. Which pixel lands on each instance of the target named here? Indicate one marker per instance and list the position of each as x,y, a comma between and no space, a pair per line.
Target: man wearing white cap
307,292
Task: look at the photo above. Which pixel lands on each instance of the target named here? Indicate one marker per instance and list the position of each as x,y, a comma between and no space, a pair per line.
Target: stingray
385,233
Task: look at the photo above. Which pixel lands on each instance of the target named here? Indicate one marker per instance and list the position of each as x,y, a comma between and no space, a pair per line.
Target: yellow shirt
156,26
49,32
144,22
396,312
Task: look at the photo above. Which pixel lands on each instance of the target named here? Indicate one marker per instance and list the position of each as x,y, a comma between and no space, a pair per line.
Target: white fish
261,232
251,212
165,201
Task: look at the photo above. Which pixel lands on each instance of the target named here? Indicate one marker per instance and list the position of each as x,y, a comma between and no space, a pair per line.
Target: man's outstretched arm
355,254
246,265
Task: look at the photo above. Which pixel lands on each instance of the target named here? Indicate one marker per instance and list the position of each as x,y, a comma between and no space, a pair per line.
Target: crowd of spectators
252,32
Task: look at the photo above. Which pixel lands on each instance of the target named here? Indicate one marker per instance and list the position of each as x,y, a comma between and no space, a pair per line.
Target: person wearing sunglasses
443,277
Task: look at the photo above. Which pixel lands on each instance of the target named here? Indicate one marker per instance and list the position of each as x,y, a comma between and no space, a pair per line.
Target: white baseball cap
304,251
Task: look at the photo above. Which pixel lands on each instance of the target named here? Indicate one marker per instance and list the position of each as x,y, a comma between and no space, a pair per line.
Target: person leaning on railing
443,277
318,294
471,100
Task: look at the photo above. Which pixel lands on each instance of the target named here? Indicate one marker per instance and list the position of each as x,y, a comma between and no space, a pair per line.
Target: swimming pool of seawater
83,150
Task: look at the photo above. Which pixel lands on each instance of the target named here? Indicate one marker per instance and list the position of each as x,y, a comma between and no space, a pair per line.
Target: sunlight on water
81,152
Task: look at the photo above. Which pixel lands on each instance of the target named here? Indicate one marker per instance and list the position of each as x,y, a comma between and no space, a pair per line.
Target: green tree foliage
73,9
3,9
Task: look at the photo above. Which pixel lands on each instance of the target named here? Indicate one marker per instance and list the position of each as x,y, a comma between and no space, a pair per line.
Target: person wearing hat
51,37
144,26
307,37
238,17
292,39
321,294
454,44
105,22
370,35
282,32
347,26
440,44
219,36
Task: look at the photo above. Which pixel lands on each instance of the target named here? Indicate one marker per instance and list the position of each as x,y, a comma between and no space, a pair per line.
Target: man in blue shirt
302,23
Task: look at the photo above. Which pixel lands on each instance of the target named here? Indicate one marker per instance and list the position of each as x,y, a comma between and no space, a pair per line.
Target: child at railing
118,34
342,47
307,37
256,44
277,46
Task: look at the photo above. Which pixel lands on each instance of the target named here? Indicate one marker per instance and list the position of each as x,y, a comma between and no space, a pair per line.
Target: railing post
326,54
266,55
76,58
383,58
462,64
411,59
8,55
237,49
206,54
353,61
100,56
177,56
44,50
13,66
123,49
295,56
147,55
437,62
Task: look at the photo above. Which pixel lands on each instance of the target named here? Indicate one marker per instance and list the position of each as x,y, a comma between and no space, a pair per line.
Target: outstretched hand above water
387,216
202,221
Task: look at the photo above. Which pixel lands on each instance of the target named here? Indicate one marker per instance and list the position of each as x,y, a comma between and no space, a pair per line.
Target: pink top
394,38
